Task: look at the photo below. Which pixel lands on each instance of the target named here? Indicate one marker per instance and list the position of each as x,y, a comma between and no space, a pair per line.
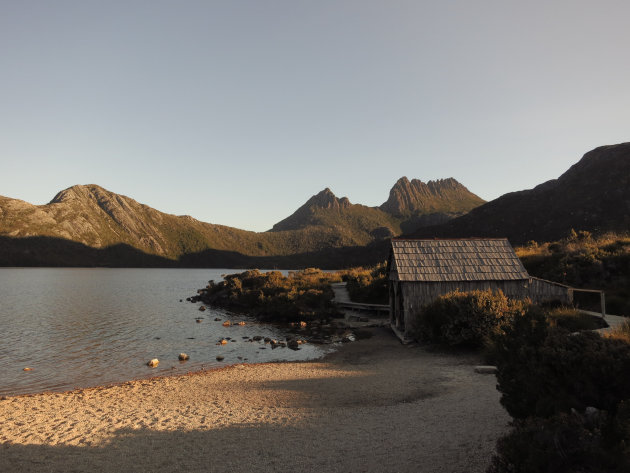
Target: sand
373,406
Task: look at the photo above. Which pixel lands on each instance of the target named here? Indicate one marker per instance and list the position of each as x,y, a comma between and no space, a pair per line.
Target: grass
582,260
622,332
573,320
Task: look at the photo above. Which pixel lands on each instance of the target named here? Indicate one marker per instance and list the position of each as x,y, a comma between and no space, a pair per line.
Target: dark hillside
593,195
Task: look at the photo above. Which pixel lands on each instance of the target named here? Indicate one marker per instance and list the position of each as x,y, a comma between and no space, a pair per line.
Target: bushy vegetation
465,318
368,285
569,394
622,332
582,260
574,320
300,296
566,443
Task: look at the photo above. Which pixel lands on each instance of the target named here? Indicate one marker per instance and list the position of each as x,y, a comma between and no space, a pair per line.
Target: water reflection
85,327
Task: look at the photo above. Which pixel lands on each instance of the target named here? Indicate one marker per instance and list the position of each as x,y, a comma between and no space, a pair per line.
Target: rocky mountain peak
443,195
326,199
78,192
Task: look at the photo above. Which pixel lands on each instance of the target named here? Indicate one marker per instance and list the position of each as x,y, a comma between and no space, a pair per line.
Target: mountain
359,223
593,195
98,219
409,198
411,205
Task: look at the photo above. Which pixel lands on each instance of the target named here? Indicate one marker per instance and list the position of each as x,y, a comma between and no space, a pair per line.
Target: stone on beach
153,363
220,358
227,323
183,357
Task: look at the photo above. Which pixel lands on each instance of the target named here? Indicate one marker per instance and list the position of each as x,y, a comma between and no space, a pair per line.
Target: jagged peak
327,199
416,196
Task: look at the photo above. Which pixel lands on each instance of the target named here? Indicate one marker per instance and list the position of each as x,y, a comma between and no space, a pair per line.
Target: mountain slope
592,195
360,223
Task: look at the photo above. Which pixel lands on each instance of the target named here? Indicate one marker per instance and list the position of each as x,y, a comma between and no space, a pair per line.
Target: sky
236,112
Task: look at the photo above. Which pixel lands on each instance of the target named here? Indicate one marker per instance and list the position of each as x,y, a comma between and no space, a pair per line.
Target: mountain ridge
592,195
96,217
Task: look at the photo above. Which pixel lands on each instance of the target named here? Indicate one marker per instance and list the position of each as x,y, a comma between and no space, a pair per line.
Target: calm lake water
88,327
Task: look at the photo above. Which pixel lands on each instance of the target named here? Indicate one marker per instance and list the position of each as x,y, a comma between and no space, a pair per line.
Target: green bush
573,320
465,318
301,295
368,285
561,444
544,371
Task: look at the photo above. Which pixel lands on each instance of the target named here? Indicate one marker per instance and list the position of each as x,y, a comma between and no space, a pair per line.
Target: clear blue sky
236,112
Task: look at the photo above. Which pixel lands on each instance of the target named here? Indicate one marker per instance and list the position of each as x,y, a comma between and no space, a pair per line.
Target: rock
27,369
257,338
198,321
223,342
486,369
183,357
202,308
217,319
293,344
349,337
227,323
302,324
220,358
181,300
241,323
267,339
153,363
188,299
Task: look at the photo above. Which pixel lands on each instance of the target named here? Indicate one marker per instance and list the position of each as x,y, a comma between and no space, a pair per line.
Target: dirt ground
373,406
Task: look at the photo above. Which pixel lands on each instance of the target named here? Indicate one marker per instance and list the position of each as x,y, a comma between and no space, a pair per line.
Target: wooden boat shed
421,270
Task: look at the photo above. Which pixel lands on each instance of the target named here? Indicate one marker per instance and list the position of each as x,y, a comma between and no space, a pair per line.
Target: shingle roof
491,259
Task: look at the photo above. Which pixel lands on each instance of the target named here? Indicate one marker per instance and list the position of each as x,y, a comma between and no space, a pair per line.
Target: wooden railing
364,307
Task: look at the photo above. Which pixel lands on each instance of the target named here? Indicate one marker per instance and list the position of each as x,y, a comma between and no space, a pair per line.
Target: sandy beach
373,406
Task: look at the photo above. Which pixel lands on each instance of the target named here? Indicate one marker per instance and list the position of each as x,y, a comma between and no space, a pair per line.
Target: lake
81,327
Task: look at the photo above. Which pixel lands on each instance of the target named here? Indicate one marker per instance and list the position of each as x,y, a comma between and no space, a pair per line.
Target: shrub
573,320
543,371
465,318
271,296
368,285
563,443
621,333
